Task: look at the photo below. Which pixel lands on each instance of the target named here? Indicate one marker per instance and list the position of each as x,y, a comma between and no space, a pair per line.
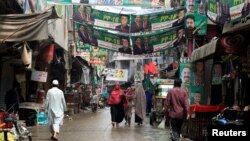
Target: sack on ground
162,124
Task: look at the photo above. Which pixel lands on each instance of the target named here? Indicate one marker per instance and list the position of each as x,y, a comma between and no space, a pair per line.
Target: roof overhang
204,51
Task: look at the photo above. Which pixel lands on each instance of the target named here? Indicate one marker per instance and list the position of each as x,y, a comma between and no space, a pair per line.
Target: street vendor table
201,118
28,112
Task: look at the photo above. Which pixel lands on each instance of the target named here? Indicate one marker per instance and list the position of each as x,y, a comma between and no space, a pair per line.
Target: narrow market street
97,127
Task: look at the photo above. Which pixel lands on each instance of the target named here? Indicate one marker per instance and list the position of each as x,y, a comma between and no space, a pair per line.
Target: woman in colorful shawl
116,101
140,104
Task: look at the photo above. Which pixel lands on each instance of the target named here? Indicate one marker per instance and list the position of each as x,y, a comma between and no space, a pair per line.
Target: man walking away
177,107
55,107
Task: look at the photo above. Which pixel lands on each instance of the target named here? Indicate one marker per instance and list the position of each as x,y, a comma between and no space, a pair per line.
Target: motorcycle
15,127
228,116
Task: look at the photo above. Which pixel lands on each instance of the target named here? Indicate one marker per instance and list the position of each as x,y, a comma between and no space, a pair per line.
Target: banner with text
225,11
108,40
109,20
114,2
167,19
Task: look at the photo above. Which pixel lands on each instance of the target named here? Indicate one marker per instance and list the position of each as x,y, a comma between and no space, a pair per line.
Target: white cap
55,82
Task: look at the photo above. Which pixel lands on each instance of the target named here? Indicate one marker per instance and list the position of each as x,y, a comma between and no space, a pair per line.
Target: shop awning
230,28
204,51
25,27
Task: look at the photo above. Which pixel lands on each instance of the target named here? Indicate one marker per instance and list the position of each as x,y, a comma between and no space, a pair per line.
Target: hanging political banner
170,63
228,11
213,10
122,56
185,72
196,6
167,19
196,25
110,41
109,20
113,2
238,9
83,14
84,36
154,42
197,95
164,40
136,3
140,23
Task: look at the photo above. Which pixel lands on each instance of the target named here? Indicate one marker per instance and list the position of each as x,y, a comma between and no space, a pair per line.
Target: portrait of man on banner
190,6
180,21
181,37
199,73
190,26
125,46
217,74
123,27
88,15
185,73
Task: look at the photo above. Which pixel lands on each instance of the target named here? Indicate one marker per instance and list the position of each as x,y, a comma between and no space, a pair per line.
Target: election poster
213,10
117,75
113,2
196,25
110,41
167,19
107,20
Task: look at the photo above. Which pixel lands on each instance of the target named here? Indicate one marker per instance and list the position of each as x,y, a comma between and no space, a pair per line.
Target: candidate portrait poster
195,25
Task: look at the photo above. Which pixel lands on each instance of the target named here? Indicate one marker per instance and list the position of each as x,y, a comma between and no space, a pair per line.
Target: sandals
53,138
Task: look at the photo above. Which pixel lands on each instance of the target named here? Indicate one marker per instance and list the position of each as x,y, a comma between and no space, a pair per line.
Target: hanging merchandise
26,55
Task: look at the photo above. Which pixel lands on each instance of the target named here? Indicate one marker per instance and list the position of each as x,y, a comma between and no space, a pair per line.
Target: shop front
227,73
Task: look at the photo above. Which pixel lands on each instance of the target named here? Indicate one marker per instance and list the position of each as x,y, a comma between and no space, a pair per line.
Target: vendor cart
158,113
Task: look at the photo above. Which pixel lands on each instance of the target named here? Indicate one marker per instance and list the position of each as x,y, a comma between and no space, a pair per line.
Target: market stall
201,118
227,66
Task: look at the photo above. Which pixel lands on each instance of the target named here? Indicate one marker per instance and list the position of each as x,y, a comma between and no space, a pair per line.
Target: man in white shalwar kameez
55,107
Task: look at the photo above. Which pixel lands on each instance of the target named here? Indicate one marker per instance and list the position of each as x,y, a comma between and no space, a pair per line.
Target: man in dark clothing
123,27
177,107
125,46
12,100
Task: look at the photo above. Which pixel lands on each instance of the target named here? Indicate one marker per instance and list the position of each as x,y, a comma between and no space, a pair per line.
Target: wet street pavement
89,126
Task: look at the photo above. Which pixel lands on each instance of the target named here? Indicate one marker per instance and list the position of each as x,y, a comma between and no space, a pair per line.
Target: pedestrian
12,99
55,108
149,97
177,108
140,104
128,110
116,100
